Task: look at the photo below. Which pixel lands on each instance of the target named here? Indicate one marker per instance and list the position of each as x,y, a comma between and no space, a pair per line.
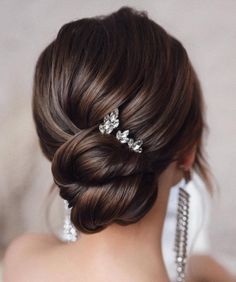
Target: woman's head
123,60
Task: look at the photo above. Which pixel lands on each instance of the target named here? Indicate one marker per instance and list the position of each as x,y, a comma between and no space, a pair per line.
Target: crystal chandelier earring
69,231
181,235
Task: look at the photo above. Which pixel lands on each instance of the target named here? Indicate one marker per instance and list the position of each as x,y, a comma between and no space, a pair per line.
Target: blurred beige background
207,29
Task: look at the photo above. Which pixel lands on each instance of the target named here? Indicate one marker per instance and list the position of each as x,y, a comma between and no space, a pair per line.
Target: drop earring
181,235
69,231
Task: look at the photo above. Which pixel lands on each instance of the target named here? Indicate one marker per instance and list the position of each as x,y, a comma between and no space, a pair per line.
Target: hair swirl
94,65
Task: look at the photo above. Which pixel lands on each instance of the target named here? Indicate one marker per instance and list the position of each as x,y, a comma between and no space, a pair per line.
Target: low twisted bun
123,60
103,181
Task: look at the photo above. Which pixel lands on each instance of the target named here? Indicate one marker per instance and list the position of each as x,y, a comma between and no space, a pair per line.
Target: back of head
123,60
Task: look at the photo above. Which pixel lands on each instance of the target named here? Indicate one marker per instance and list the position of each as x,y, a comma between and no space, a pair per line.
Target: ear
187,161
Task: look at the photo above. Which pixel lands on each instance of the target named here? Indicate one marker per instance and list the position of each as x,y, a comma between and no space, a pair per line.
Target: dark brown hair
95,65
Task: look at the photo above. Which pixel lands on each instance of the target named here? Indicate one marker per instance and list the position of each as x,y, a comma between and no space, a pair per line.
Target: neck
142,238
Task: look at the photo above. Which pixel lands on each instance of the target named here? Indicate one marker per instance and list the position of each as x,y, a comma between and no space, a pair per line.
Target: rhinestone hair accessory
110,122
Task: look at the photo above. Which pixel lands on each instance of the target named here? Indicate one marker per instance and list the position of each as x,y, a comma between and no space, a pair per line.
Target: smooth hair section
94,65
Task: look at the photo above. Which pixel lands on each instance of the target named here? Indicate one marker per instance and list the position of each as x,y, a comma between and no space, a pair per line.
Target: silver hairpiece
110,122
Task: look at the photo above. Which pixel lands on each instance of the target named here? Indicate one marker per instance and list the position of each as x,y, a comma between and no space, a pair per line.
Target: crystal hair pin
110,122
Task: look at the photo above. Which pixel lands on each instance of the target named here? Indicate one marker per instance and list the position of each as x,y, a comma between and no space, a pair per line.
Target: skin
118,253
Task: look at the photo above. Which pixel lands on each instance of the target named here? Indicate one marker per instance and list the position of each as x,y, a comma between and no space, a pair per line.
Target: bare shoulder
29,243
22,251
41,257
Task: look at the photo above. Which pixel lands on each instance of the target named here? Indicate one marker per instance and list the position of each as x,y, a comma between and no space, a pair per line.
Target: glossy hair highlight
94,65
